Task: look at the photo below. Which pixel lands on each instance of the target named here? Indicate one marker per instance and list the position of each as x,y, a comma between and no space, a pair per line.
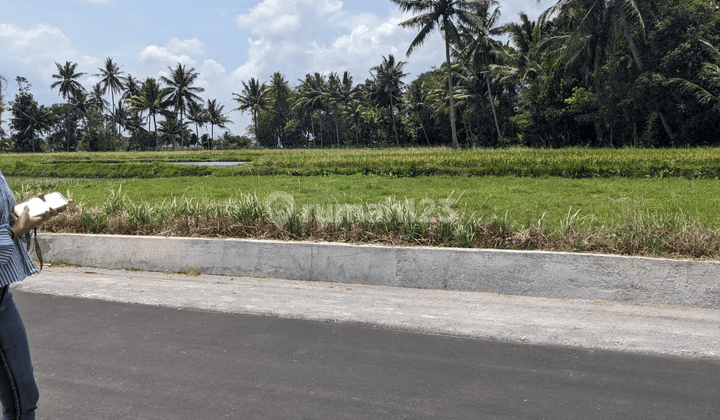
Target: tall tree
415,97
68,87
67,76
279,91
132,87
445,14
592,27
96,98
111,79
254,98
153,99
388,84
480,49
310,98
708,91
197,114
182,91
216,117
28,119
172,130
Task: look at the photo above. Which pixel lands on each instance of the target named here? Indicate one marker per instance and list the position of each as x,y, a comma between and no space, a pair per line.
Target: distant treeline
597,73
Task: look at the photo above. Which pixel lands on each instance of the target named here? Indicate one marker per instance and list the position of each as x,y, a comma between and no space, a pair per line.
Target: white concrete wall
530,273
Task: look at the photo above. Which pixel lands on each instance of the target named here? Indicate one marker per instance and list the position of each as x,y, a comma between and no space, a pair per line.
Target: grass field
662,193
602,203
565,163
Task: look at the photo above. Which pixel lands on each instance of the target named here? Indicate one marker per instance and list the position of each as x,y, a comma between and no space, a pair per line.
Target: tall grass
397,222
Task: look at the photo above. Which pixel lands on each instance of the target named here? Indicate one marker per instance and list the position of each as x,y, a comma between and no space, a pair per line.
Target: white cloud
175,51
319,36
212,67
280,17
186,46
41,45
33,52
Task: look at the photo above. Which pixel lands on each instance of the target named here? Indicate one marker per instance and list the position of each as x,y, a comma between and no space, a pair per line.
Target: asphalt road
105,360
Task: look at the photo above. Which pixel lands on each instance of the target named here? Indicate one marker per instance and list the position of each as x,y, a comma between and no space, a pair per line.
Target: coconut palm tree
171,129
197,114
67,76
182,91
528,37
709,95
443,14
310,98
153,99
216,117
388,87
111,79
415,97
594,26
279,91
68,86
480,50
96,98
132,87
254,98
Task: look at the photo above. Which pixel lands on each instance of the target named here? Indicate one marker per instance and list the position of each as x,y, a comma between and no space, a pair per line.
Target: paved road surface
106,360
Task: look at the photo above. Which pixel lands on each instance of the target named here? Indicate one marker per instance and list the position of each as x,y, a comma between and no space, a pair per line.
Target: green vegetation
613,73
522,201
410,162
650,211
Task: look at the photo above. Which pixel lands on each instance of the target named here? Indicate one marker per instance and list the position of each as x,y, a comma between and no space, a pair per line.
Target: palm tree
331,99
215,117
96,98
415,98
67,83
254,98
279,91
111,79
197,114
132,87
710,74
152,98
445,14
172,129
528,38
479,48
593,31
310,98
353,112
388,87
121,117
182,91
80,100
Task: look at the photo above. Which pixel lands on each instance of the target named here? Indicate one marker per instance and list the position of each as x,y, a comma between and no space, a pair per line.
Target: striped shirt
15,262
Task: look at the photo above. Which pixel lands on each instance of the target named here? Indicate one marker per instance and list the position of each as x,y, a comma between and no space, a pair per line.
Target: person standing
18,390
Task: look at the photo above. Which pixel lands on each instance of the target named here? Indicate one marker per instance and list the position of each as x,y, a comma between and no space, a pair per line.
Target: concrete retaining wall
530,273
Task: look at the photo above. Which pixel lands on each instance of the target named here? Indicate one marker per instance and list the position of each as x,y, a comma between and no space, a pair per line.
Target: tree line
597,73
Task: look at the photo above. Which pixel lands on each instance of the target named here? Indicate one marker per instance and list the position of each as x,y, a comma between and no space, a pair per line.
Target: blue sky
226,41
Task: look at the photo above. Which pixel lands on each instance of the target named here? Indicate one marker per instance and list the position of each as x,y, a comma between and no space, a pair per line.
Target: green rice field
670,191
